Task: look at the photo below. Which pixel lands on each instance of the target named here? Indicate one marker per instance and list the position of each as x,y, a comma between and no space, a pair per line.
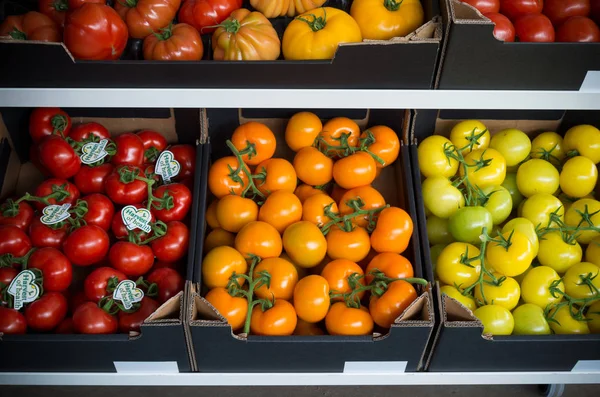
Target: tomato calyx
392,5
569,233
16,34
110,148
158,230
164,34
60,5
577,306
548,156
344,149
317,23
344,222
250,150
230,25
151,154
128,3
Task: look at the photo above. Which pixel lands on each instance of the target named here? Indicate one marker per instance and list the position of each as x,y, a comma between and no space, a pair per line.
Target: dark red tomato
90,319
123,191
169,283
154,143
34,157
559,11
186,156
95,283
48,121
47,312
513,9
188,182
595,10
120,231
12,322
19,215
55,267
177,201
100,210
130,150
504,29
534,28
13,241
87,245
50,186
578,29
75,4
178,266
65,327
205,14
81,132
132,259
58,157
133,321
44,236
6,276
91,179
77,300
174,244
484,6
55,9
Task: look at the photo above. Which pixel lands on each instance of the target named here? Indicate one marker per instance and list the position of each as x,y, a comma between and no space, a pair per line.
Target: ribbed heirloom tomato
180,42
280,319
393,231
144,17
205,14
385,19
260,239
234,309
302,130
276,174
283,279
219,264
220,180
257,136
234,212
313,167
311,298
30,26
344,320
280,8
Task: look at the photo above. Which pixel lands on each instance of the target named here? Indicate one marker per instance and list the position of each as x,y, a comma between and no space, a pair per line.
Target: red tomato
13,241
95,32
130,150
514,9
100,211
50,185
95,283
12,322
65,327
48,121
172,246
77,300
82,132
34,157
87,245
559,11
19,215
578,29
153,142
534,28
120,231
90,319
484,6
178,200
133,321
55,9
205,14
131,259
169,283
504,29
91,179
55,267
186,156
7,274
75,4
44,236
58,157
124,193
47,312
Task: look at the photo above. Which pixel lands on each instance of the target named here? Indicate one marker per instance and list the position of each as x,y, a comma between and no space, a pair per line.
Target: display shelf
298,379
296,98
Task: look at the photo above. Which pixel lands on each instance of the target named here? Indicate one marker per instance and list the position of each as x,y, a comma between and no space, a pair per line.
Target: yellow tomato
526,227
470,133
537,176
496,320
558,254
578,177
576,217
487,167
593,315
452,269
565,324
280,8
585,140
384,19
592,253
512,257
513,144
506,294
432,157
453,293
548,146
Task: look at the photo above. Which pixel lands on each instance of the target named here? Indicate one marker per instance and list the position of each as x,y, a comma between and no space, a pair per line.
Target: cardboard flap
203,313
466,13
418,313
168,313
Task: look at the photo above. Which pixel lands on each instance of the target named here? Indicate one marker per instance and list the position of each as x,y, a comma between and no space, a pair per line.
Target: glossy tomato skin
219,264
44,236
343,320
260,136
129,322
65,327
332,132
47,312
393,231
58,157
313,167
259,238
56,268
130,150
125,193
169,283
358,169
95,32
85,131
484,6
504,30
12,322
391,264
386,145
91,179
153,142
280,175
337,272
22,219
234,309
172,246
311,298
7,274
278,320
302,130
14,241
100,211
560,10
534,28
578,29
90,319
514,9
181,201
44,122
55,9
95,283
47,187
180,42
132,259
87,245
386,308
145,17
75,4
32,25
305,244
219,181
433,161
186,156
284,277
205,14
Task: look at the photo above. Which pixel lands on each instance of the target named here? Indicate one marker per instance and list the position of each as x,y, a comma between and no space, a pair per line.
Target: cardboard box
162,343
459,344
215,345
406,62
473,59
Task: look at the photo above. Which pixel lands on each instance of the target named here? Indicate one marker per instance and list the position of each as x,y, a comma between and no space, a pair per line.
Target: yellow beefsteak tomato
384,19
280,8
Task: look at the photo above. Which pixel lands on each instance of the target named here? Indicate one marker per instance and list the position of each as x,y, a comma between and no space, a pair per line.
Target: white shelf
299,98
298,379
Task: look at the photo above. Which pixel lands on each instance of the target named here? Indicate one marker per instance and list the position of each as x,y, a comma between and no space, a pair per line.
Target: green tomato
437,231
467,223
513,144
496,320
530,320
510,183
499,203
440,197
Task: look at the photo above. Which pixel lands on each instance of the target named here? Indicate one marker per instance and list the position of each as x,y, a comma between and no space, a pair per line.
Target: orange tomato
393,231
278,320
337,272
302,130
233,308
219,264
211,215
314,207
302,272
304,191
337,193
259,137
282,282
356,170
305,244
386,308
386,144
337,131
313,167
219,178
368,195
260,239
353,245
307,329
311,298
279,174
391,264
234,212
218,238
280,210
344,320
